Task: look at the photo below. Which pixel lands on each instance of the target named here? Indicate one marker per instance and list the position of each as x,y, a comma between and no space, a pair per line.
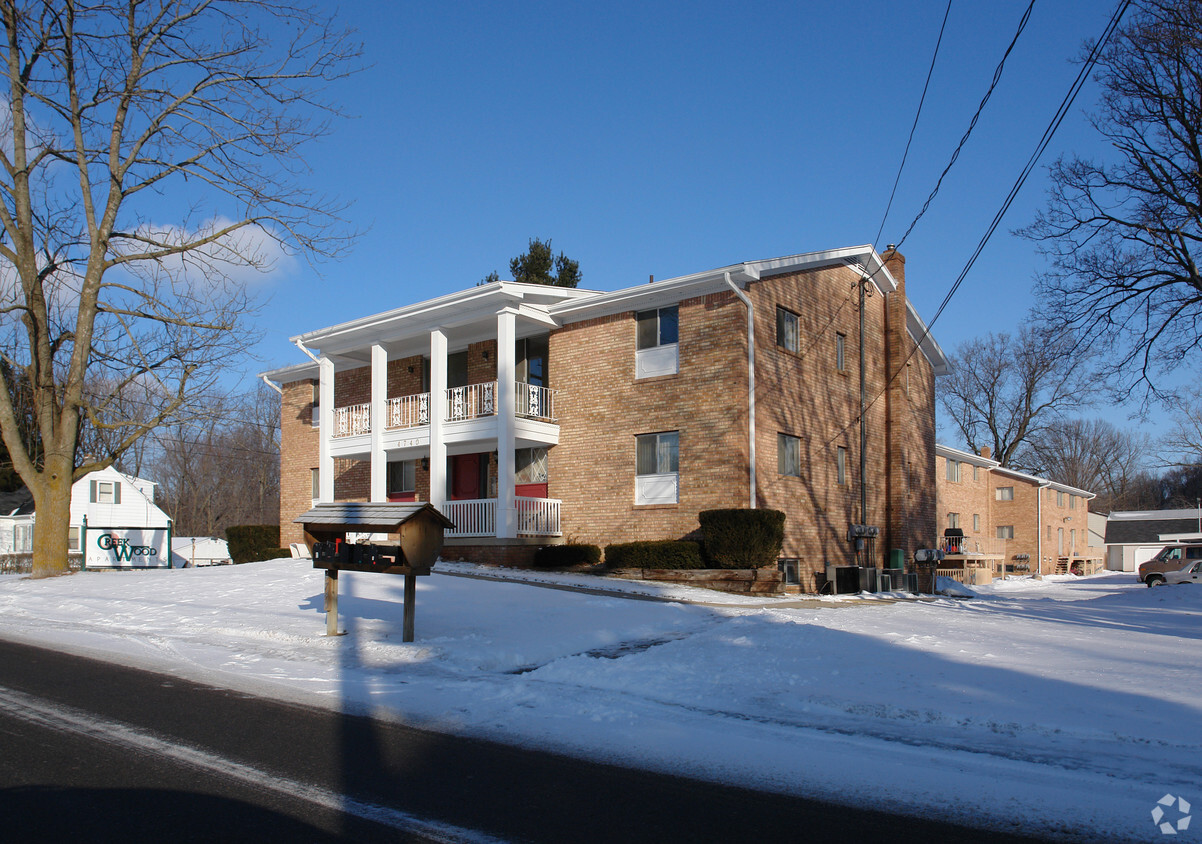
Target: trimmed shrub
249,543
564,556
660,554
742,539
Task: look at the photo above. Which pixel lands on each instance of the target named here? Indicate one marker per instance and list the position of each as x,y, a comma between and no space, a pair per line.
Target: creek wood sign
126,547
418,531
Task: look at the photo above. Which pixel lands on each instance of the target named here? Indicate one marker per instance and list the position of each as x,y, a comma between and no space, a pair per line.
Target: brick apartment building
620,415
1006,514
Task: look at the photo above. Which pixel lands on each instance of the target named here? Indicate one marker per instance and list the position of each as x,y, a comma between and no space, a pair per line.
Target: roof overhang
374,517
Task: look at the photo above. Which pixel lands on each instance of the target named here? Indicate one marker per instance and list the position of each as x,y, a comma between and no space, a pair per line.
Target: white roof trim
1014,473
965,456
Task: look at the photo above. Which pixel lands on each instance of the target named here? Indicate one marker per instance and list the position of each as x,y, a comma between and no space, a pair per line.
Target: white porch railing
474,517
352,420
409,411
472,401
538,516
533,402
478,517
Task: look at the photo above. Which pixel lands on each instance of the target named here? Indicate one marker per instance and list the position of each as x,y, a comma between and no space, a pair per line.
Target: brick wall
298,456
602,407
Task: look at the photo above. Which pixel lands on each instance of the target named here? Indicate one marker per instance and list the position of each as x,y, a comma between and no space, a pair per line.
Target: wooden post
332,602
410,606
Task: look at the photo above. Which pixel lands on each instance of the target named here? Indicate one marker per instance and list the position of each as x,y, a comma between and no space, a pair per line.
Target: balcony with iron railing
474,401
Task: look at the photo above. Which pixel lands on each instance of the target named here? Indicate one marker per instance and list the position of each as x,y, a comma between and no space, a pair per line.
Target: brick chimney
985,452
895,262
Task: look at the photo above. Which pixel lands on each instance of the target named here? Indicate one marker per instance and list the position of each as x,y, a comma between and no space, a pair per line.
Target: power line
914,126
1058,118
997,76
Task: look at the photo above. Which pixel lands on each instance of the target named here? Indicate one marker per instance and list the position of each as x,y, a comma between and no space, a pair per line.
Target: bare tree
1123,237
222,467
1182,446
113,113
1004,390
1093,455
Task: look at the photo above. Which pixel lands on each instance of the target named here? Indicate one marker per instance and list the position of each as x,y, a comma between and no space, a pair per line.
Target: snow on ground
1065,707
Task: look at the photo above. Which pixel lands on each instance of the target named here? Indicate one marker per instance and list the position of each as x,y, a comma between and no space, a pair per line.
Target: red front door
465,477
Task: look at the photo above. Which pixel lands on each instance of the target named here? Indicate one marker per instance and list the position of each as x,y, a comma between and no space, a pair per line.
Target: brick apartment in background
617,416
1035,525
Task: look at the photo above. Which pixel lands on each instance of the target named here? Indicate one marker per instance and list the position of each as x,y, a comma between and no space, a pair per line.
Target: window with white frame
841,465
841,352
788,330
788,455
657,350
953,520
1005,531
953,470
1004,493
657,468
104,492
976,522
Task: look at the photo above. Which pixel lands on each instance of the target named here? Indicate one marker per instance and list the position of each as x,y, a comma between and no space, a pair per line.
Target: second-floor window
953,520
788,334
657,342
315,406
1005,493
105,492
841,465
1005,531
788,455
841,352
953,471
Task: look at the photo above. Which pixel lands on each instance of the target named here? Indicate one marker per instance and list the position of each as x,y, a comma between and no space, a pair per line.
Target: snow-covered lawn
1067,706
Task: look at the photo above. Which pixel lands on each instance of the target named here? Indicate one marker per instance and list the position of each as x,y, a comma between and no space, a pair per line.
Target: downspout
863,407
301,346
272,384
750,385
1039,529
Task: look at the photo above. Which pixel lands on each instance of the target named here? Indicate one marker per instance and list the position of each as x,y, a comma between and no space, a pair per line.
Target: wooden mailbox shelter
418,529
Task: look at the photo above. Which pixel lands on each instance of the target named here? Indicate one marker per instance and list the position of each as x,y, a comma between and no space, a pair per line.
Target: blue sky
669,138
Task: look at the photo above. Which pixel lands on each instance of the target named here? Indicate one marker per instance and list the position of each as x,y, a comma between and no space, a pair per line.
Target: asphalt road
94,752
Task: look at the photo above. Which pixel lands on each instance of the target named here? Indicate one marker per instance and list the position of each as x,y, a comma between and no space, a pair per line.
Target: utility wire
997,76
914,126
1058,118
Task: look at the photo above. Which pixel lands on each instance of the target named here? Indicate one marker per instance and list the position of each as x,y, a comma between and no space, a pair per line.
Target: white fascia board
965,456
921,335
1153,515
288,374
446,311
653,294
1015,473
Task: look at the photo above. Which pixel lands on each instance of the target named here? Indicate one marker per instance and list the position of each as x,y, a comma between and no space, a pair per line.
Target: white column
325,461
438,415
379,410
507,523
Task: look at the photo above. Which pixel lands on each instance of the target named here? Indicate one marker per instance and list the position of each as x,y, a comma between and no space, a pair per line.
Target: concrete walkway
844,601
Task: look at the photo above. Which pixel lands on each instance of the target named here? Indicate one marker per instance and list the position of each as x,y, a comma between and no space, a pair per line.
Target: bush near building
742,539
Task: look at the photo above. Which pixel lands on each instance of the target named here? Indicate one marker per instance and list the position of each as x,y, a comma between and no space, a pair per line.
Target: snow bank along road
1062,708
